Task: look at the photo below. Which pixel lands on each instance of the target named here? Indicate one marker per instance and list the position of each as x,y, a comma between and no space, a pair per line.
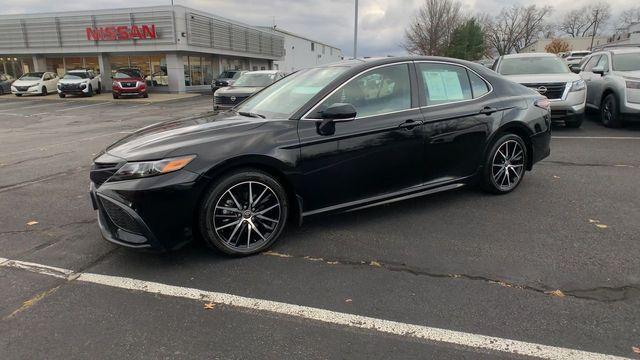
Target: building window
196,70
323,49
313,47
91,63
73,63
55,65
187,72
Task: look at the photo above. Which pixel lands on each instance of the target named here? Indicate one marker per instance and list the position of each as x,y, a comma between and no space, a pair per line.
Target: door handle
410,124
487,110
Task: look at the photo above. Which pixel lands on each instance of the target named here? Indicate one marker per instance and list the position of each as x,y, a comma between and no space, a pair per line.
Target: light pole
355,34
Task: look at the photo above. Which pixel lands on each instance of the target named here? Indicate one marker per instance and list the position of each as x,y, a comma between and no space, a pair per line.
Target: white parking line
598,137
26,107
469,340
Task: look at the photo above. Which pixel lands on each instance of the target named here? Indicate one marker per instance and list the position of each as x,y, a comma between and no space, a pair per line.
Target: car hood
128,79
238,90
25,82
158,141
72,81
543,78
629,74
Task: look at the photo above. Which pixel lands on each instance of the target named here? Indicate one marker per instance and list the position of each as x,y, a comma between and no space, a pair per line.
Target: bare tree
516,27
589,20
628,17
430,30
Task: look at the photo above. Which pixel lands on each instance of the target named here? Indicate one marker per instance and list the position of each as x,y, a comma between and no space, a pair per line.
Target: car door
588,76
598,81
459,110
376,153
50,81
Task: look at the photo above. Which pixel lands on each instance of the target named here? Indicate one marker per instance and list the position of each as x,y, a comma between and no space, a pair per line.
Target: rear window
626,62
533,65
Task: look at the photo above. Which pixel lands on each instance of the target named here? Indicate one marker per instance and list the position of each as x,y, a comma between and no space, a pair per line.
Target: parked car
129,82
550,76
574,57
314,143
248,84
613,85
5,83
35,83
226,78
79,82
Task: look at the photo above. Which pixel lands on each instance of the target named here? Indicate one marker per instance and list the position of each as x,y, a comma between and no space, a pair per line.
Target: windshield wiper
250,114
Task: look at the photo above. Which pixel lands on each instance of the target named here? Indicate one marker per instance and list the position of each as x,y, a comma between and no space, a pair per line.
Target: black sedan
332,138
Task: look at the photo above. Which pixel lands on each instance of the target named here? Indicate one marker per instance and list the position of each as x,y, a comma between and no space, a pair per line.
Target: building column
39,63
105,71
175,71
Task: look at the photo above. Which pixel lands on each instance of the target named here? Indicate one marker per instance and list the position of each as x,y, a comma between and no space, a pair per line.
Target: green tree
467,41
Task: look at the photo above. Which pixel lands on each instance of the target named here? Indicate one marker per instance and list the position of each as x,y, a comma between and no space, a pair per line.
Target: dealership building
179,49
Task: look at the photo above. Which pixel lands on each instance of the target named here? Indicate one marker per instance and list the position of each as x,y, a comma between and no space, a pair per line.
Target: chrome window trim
468,69
304,117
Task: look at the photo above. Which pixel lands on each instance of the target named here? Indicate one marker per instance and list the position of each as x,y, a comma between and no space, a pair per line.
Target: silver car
549,75
613,85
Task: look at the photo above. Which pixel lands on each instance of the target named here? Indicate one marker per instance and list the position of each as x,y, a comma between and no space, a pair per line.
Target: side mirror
598,70
339,112
575,68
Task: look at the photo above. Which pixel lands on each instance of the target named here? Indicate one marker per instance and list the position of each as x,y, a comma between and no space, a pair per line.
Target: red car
129,82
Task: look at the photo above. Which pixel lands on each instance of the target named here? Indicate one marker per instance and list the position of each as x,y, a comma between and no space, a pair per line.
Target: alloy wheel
606,111
507,165
247,215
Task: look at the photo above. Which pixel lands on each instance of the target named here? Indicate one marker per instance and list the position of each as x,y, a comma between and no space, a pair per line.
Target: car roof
79,70
263,72
528,55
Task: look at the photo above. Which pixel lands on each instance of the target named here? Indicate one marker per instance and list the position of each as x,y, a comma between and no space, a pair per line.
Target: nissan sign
139,32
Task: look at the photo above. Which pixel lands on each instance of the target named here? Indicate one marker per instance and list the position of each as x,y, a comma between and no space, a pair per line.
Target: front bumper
631,110
137,91
73,91
156,213
35,91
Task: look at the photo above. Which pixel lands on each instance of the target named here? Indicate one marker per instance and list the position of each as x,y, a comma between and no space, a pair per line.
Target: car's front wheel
89,91
44,91
505,164
244,213
609,112
99,89
62,95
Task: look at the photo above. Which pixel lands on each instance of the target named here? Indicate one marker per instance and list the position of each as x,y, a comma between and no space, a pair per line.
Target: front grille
227,100
101,172
22,88
120,217
554,90
128,84
69,86
221,83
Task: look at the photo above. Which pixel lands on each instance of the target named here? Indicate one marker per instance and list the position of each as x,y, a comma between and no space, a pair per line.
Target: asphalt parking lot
554,264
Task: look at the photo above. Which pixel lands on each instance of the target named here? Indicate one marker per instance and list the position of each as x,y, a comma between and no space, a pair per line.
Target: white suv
79,82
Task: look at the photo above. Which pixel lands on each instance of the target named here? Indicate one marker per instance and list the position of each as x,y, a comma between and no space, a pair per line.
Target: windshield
32,76
259,80
533,65
626,62
285,97
229,75
76,76
128,73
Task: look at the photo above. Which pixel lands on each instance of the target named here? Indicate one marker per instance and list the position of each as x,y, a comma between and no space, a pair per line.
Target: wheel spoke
227,225
267,209
266,218
260,196
248,233
255,228
250,196
228,209
235,230
235,200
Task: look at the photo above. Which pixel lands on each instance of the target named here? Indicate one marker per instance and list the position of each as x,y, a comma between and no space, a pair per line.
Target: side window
478,86
2,78
444,83
591,63
603,63
46,77
375,92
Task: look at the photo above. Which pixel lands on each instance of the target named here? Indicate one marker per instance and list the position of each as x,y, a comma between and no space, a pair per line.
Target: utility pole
355,34
595,27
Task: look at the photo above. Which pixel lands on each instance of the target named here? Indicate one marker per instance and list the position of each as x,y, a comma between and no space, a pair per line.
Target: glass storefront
200,70
15,66
60,65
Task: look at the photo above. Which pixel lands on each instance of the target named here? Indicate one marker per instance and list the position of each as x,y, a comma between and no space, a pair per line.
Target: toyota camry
332,138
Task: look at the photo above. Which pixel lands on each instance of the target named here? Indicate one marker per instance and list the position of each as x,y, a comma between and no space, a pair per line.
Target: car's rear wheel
244,213
62,95
99,89
44,91
18,95
609,112
505,164
90,91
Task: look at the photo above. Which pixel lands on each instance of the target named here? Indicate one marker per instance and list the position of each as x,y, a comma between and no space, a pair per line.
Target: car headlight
140,169
633,84
578,85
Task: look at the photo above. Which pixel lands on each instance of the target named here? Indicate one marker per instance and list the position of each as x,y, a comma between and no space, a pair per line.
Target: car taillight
543,104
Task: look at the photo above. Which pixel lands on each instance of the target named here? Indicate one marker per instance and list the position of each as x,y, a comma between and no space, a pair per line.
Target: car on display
332,138
35,83
5,83
248,84
226,78
550,76
129,82
79,82
573,58
613,85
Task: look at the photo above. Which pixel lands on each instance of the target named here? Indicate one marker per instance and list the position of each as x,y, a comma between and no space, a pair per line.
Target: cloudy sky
381,28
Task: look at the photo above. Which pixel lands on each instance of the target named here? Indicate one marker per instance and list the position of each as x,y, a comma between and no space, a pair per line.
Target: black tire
609,112
44,91
99,89
574,123
18,95
502,174
146,95
115,96
62,95
90,92
240,222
